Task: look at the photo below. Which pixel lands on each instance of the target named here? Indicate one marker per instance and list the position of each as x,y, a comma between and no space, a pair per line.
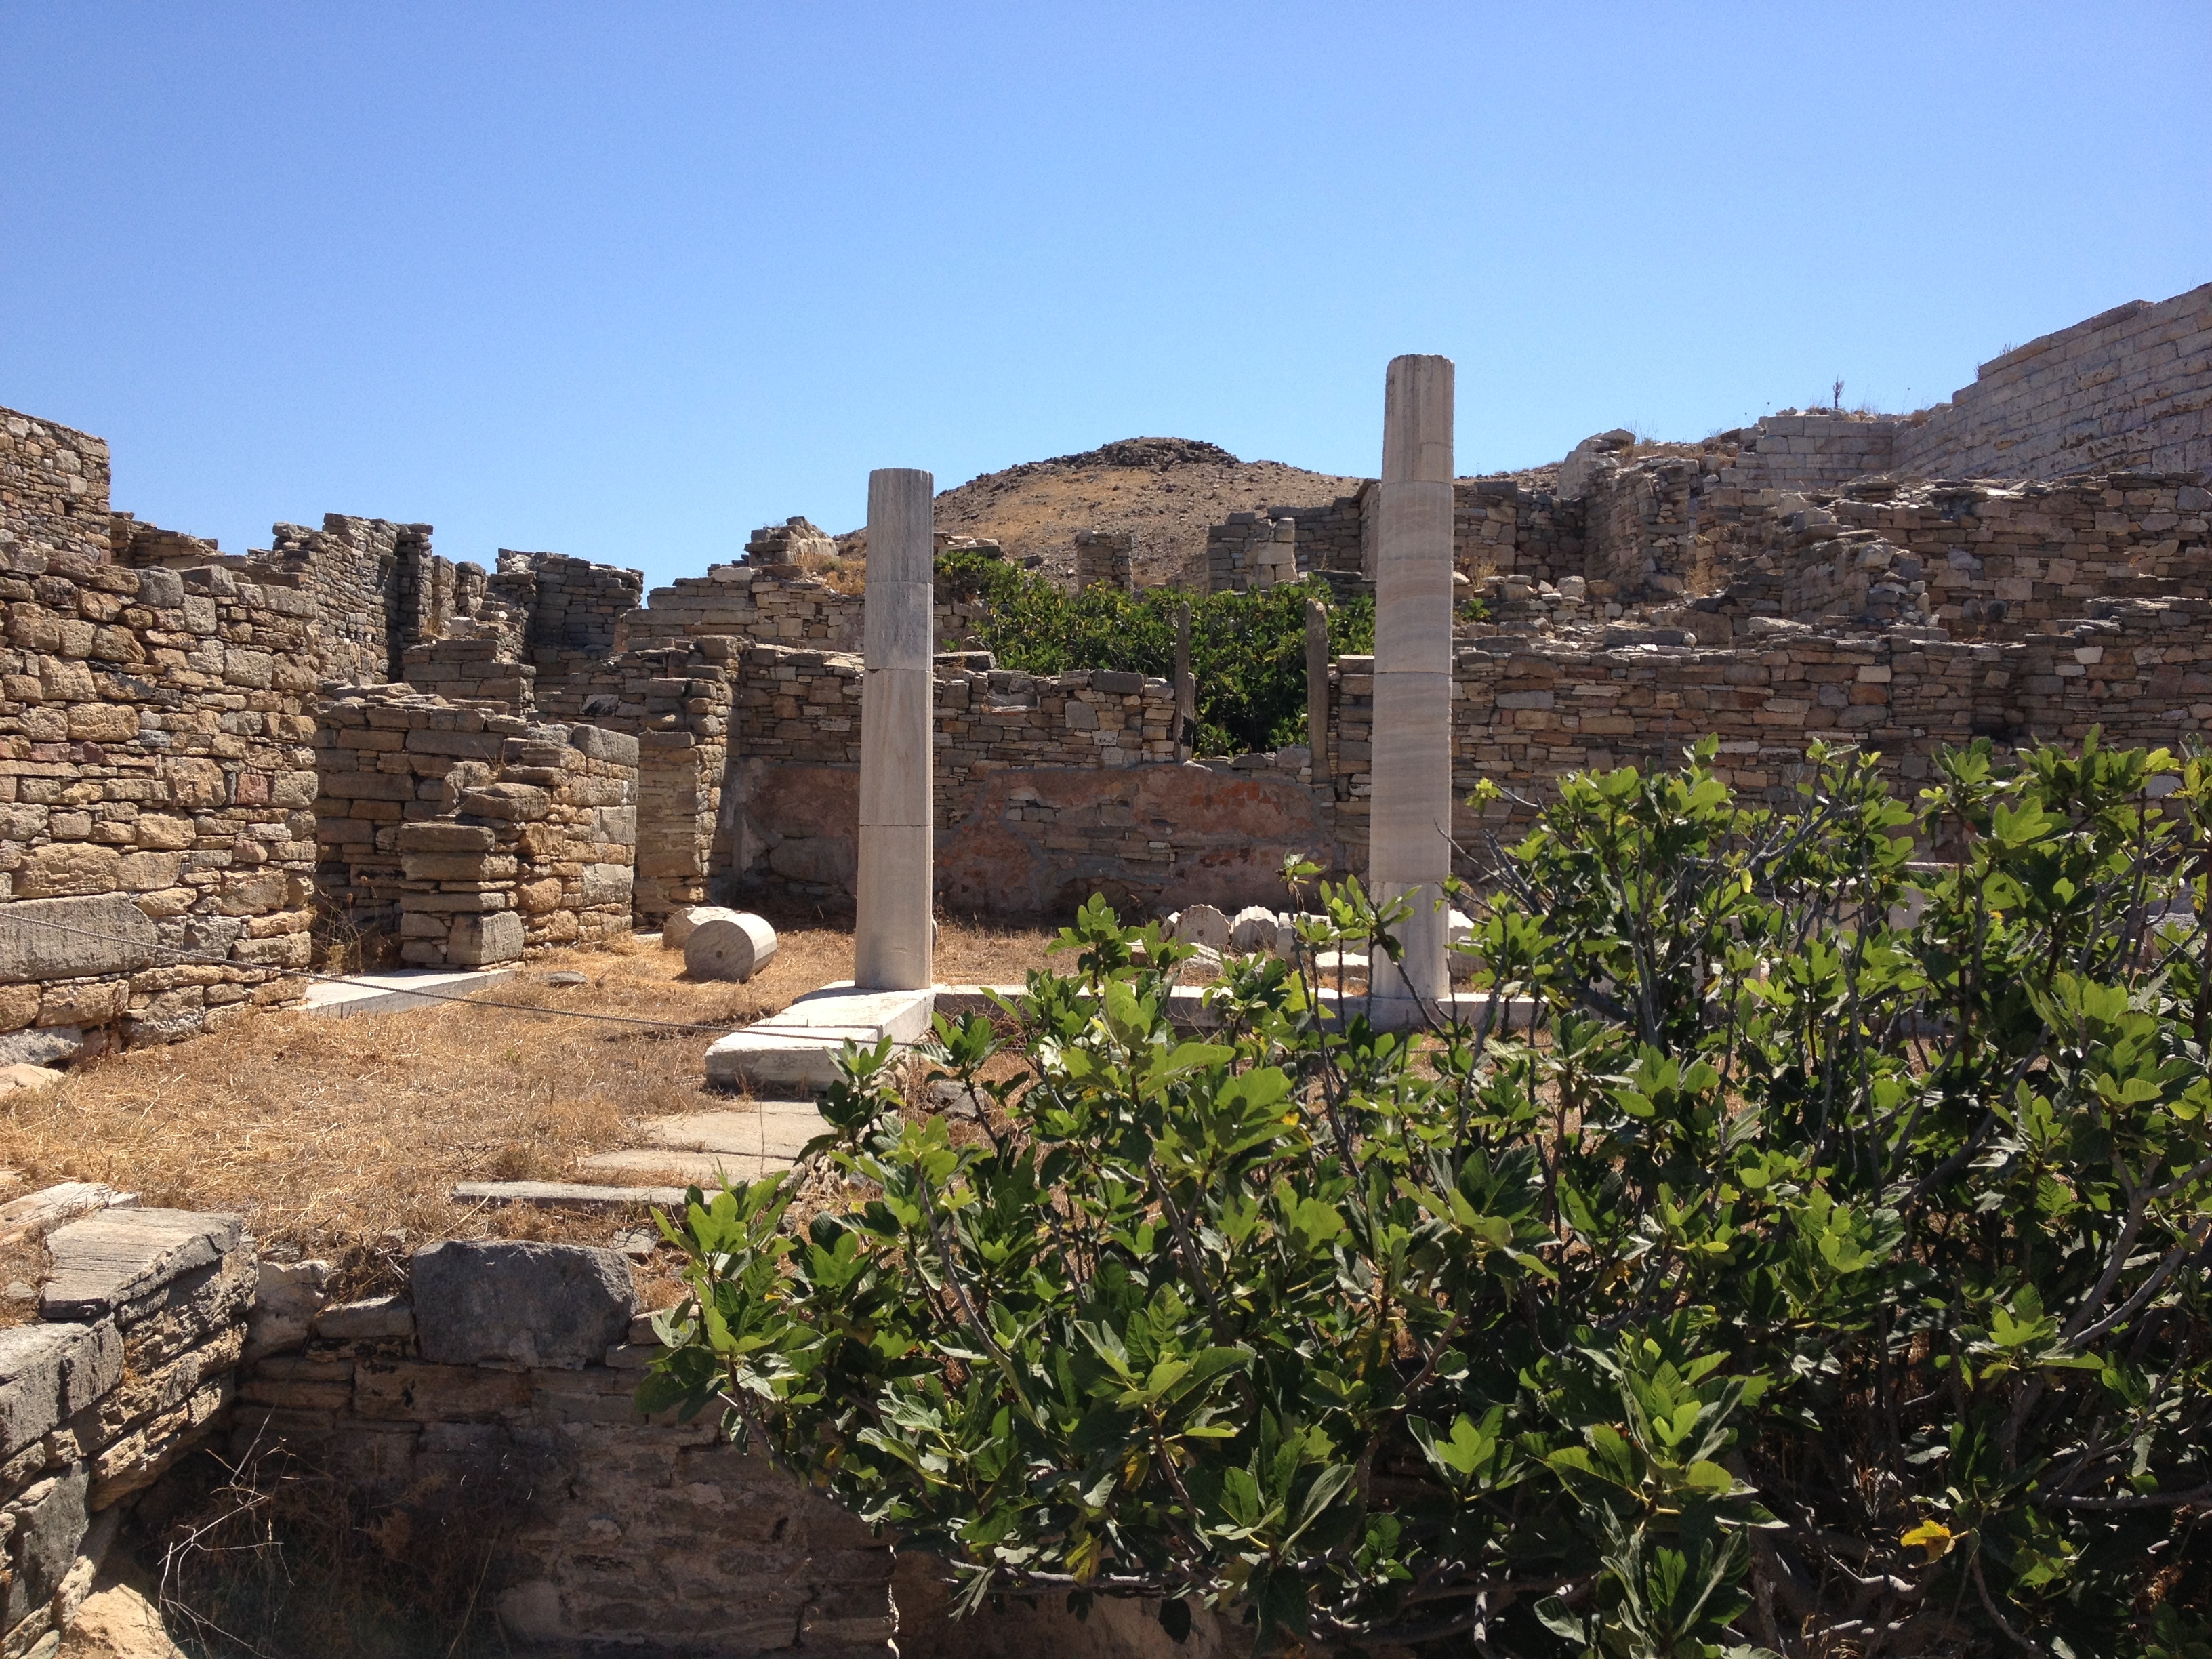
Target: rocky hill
1166,490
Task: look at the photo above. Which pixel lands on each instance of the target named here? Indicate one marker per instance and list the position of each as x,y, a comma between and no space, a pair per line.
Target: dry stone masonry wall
470,837
131,1365
156,796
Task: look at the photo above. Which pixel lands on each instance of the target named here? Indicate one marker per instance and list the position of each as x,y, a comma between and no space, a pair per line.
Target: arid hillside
1166,490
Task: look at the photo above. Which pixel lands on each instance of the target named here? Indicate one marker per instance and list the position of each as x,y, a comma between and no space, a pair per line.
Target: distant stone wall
1500,528
572,609
1995,563
1812,452
773,604
675,702
1524,716
1498,525
1641,525
2128,389
54,488
459,837
1047,789
1332,542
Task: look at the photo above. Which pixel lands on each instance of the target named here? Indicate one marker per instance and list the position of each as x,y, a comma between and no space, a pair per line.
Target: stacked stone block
675,700
1107,558
475,666
788,543
141,546
469,835
1812,452
578,860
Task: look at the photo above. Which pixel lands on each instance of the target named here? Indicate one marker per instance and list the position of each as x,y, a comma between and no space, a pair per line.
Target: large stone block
73,938
478,939
440,836
597,742
49,1372
523,803
118,1256
61,869
555,1306
52,1523
606,883
49,1045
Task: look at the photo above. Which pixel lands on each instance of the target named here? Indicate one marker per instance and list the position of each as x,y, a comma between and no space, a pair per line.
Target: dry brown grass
344,1137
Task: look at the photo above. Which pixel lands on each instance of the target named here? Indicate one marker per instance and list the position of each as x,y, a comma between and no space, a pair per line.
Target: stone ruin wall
573,609
1046,789
2130,389
676,701
156,775
132,1363
490,1400
456,836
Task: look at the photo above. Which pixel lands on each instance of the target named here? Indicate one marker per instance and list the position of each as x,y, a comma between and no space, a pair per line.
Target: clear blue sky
627,280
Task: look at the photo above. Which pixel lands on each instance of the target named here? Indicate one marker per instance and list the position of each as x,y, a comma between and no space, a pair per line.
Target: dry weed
344,1137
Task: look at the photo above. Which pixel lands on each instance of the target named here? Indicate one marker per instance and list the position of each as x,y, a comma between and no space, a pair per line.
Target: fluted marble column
1408,853
893,941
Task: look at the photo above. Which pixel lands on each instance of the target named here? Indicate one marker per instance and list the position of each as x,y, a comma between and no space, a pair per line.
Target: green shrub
1247,651
1823,1273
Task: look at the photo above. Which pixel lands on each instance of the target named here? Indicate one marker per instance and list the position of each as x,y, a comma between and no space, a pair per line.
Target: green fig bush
1247,651
1797,1245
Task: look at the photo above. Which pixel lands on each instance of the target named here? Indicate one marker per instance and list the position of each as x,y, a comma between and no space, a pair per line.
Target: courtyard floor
344,1138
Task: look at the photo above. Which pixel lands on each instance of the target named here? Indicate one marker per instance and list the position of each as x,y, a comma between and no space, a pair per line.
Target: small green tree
1247,650
1814,1265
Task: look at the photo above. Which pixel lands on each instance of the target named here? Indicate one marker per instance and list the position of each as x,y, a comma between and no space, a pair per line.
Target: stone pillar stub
1408,853
893,936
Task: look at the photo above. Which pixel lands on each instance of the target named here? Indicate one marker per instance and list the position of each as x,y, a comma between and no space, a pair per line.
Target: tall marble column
893,941
1408,853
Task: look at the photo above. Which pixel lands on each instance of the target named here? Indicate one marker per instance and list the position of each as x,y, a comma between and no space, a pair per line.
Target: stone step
395,993
565,1194
798,1049
47,1208
757,1059
765,1133
708,1169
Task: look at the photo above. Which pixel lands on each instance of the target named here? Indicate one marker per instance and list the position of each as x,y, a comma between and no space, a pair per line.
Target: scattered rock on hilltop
1165,491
